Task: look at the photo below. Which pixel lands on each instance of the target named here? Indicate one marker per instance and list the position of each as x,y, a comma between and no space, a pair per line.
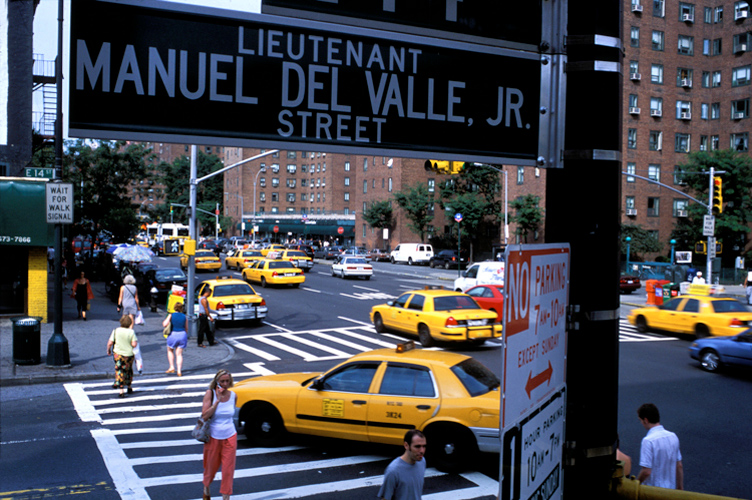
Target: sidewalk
87,345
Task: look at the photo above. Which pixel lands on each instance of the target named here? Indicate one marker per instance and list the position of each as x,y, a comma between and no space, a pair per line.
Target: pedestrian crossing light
444,167
701,248
717,195
170,209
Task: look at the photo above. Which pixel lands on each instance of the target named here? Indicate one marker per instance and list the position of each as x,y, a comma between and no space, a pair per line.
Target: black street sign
501,20
179,73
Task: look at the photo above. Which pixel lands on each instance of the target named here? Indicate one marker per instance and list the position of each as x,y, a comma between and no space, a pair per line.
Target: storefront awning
23,215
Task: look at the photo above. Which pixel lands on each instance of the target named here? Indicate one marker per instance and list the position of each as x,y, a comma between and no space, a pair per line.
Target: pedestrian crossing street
147,447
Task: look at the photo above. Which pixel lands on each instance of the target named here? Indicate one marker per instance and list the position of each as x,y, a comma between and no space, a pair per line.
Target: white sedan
352,266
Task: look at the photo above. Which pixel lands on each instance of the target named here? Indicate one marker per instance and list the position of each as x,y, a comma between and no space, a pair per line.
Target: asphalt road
48,449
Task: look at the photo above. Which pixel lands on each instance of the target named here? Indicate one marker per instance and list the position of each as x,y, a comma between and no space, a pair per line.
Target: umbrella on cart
112,248
134,253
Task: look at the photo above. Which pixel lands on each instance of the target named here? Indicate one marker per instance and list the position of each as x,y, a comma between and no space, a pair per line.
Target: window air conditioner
740,47
631,212
686,116
681,213
738,115
635,76
740,16
686,83
688,18
655,112
634,110
636,7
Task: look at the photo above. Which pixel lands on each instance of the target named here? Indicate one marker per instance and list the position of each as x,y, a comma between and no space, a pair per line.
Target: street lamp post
673,244
253,221
628,239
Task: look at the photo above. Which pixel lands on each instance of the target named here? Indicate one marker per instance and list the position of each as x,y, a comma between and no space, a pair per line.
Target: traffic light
444,167
717,195
701,248
170,209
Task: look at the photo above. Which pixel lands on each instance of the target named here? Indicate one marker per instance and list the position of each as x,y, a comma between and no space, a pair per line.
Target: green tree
732,225
527,214
379,215
474,194
176,179
101,174
417,202
642,241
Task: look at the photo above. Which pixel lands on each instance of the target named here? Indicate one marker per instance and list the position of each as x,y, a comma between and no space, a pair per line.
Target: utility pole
591,225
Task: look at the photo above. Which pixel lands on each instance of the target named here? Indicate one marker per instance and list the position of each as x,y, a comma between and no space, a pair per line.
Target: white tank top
221,425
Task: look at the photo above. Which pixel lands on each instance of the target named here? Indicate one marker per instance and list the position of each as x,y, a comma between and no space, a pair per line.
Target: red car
629,283
489,297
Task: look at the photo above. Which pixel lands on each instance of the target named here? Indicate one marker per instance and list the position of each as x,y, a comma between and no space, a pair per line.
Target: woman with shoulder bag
128,300
121,344
219,406
178,338
81,291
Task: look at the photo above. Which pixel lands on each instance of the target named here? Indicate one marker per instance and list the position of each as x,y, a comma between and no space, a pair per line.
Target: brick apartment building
686,88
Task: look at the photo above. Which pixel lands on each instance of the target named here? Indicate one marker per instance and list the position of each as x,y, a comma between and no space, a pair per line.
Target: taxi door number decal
333,407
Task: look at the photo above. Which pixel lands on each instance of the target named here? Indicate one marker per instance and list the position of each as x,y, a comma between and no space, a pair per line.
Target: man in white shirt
698,279
660,457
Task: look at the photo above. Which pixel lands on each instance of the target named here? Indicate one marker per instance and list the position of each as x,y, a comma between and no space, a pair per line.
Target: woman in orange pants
219,406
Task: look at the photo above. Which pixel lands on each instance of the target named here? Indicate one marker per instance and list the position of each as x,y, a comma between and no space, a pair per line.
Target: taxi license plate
289,274
242,306
476,322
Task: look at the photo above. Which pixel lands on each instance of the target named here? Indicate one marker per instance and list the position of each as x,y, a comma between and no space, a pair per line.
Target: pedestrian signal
701,248
717,195
444,167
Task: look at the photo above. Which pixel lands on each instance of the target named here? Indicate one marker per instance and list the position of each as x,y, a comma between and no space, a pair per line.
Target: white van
481,273
412,253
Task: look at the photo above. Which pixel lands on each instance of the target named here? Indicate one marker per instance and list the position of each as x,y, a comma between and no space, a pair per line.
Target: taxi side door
336,405
395,316
253,272
406,398
666,316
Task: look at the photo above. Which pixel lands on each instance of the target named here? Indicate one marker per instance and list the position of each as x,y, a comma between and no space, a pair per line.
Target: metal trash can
27,331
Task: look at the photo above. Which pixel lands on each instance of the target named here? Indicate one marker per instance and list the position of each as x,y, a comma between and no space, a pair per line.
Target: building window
686,45
656,105
658,40
659,8
291,155
291,169
706,79
740,76
323,167
715,111
683,77
704,107
656,73
634,39
520,175
291,183
365,186
717,47
631,169
304,197
262,196
654,173
656,140
365,164
632,100
680,208
703,143
741,10
678,176
718,15
347,166
275,168
654,207
347,181
275,210
632,138
634,67
275,197
741,42
630,202
715,142
740,109
274,155
681,143
716,79
304,168
740,142
303,182
686,12
390,185
275,182
705,47
431,185
683,109
708,15
291,197
347,196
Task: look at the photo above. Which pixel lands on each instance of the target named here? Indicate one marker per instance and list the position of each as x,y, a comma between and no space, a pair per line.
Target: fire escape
44,79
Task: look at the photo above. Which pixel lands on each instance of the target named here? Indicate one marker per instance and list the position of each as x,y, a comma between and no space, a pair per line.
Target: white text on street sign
59,203
708,226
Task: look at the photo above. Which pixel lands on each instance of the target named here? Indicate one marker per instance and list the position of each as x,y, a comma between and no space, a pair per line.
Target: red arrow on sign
534,382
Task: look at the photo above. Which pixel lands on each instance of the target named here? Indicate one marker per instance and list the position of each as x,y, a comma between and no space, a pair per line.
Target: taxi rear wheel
702,331
452,447
263,282
264,426
641,324
424,335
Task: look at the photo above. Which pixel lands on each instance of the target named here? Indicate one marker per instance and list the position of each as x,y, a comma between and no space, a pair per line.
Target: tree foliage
417,202
101,174
732,225
527,214
379,215
641,242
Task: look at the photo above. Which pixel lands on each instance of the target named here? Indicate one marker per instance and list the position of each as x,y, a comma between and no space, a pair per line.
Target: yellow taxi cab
298,258
273,249
205,260
239,258
703,312
274,272
232,300
377,396
437,315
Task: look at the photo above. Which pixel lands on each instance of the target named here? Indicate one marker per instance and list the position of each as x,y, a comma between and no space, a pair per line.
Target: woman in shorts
178,338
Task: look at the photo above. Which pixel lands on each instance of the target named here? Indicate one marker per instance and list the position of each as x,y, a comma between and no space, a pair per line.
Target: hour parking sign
536,294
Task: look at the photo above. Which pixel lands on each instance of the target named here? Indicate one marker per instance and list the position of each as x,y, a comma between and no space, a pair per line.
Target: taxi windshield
252,254
728,306
234,289
454,302
476,378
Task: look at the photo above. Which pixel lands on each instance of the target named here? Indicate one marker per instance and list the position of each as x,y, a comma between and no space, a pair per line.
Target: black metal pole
57,347
584,200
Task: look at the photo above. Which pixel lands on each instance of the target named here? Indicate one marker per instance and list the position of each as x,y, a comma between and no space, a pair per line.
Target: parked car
379,255
346,266
715,353
411,253
628,283
448,259
481,273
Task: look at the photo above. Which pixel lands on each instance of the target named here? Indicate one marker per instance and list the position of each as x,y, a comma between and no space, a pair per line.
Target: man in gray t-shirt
403,479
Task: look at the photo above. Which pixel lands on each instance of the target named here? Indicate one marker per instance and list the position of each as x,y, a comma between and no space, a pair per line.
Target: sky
45,27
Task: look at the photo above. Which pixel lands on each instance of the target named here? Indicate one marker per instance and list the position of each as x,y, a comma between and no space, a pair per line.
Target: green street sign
40,173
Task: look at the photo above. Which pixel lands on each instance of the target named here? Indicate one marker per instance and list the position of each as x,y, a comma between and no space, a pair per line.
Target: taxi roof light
433,287
406,346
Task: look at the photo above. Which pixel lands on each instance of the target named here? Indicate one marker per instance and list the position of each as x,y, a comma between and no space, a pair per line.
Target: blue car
714,353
